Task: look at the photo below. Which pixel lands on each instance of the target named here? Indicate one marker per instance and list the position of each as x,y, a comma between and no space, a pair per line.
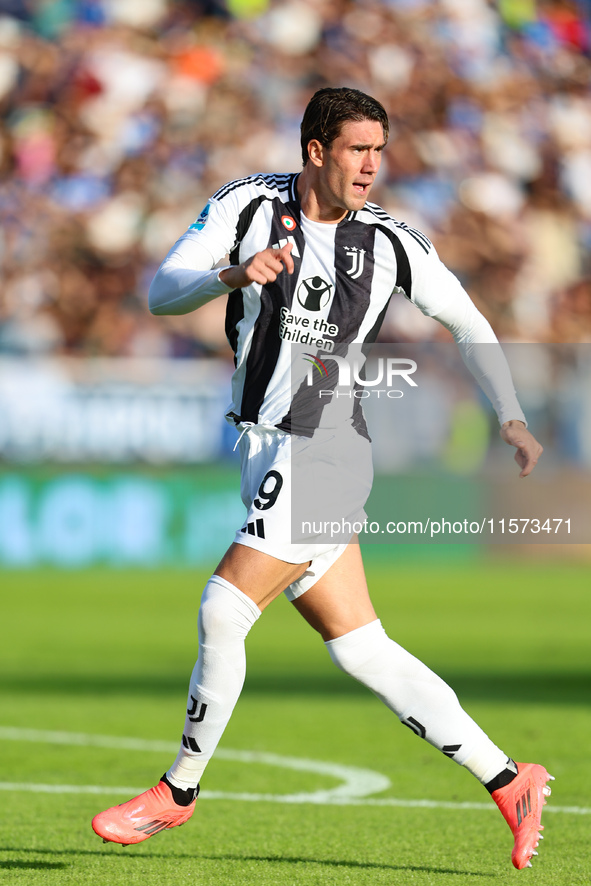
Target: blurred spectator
120,117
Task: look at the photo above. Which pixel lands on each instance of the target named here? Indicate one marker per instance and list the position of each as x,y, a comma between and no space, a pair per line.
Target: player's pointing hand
263,267
528,449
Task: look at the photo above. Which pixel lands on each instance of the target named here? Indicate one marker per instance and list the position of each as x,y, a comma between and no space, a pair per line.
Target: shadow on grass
343,863
113,852
16,865
568,687
269,859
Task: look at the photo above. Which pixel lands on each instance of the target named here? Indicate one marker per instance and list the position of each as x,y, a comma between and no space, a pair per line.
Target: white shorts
303,496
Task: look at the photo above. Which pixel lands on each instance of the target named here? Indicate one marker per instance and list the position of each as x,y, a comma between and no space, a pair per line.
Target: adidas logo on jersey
284,241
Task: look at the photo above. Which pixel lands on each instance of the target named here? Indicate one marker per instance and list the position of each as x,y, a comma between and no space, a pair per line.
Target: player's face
349,166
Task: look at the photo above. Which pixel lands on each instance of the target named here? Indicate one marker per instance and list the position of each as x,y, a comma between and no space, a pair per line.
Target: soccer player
308,251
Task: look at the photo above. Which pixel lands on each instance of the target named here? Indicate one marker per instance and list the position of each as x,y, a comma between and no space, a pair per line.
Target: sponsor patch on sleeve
199,224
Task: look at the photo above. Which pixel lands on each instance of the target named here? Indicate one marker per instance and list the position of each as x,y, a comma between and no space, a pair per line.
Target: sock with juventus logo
226,615
421,700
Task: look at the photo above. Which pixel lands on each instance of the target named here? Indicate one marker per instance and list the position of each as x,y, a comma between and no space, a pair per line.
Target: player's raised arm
439,294
188,278
185,280
263,267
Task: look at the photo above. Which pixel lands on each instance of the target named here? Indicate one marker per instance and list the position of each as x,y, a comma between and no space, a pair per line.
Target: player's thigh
339,602
259,575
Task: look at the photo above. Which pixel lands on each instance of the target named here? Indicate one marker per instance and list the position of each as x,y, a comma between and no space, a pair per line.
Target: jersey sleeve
187,277
438,293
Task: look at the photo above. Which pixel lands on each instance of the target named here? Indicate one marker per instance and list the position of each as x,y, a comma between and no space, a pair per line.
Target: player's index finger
286,257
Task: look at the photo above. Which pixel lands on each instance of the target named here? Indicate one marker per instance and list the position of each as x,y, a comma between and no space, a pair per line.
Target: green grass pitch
109,653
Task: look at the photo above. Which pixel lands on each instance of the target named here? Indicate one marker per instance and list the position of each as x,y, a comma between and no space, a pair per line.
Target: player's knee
351,663
360,651
213,618
225,613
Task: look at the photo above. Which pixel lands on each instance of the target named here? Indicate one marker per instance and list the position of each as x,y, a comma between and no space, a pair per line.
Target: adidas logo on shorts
257,527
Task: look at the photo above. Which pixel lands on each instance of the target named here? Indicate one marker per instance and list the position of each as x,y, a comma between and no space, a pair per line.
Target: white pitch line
357,783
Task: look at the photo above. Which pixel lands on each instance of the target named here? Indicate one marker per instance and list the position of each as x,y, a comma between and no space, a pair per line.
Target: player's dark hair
330,107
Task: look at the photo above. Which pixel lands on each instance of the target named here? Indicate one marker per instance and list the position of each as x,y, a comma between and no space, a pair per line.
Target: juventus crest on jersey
344,277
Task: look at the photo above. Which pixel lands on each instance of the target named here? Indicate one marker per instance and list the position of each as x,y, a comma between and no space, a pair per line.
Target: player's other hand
528,449
263,267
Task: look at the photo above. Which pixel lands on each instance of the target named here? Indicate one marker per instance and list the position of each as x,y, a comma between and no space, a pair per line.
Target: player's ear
316,152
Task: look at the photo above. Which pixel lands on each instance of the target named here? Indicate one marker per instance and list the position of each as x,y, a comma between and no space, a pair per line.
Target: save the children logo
315,332
314,293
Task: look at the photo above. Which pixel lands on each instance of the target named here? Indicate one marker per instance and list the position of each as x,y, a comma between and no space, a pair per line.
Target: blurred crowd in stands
119,118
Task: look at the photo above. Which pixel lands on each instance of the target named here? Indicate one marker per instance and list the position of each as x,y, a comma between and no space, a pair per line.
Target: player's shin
420,699
225,618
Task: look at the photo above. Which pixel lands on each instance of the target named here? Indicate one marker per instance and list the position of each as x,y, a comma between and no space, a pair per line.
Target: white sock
421,699
225,617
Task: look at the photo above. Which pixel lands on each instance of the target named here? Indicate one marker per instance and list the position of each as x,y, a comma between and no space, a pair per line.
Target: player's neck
313,206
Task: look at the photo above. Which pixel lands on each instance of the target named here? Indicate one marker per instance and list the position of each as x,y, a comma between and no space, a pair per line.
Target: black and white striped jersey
345,275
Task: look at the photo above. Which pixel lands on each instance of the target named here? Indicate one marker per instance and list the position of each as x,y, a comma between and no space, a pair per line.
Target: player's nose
372,162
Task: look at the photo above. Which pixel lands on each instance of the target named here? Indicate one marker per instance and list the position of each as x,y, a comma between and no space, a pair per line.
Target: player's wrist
223,275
